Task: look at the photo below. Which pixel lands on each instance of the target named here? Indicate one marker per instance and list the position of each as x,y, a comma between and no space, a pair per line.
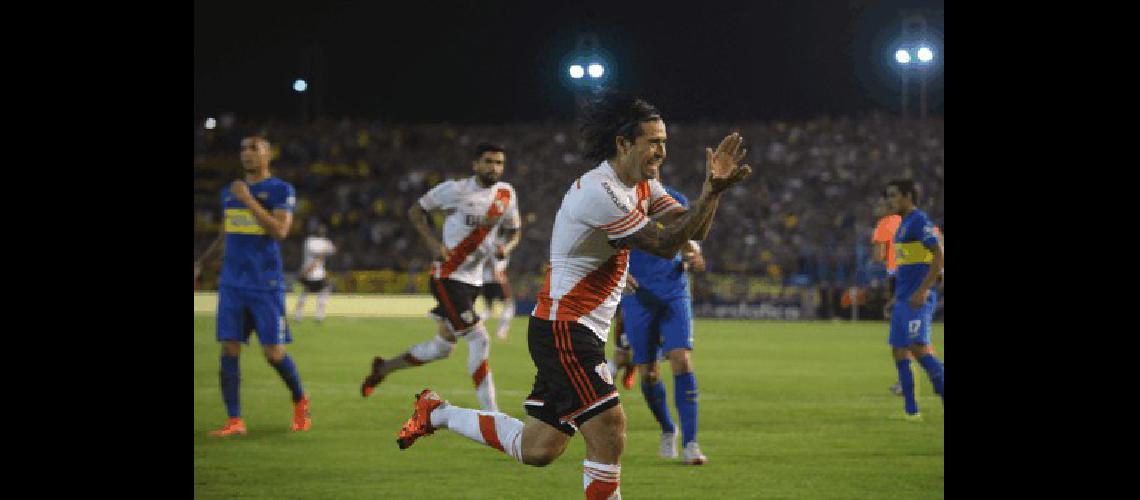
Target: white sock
300,304
601,481
508,311
429,350
494,429
322,299
478,350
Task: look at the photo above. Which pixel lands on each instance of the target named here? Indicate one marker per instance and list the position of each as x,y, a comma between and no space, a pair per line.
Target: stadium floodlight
300,85
576,71
902,56
925,54
596,70
211,123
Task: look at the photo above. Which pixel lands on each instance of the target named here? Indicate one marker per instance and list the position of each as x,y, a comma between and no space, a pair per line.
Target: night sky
493,61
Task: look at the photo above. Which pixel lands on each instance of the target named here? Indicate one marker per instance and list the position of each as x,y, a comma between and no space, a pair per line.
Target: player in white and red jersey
478,208
617,206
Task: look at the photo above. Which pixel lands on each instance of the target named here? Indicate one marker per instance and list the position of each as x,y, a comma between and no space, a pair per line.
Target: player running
478,208
610,209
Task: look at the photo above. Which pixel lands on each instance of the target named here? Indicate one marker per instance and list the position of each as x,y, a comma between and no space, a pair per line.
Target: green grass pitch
787,410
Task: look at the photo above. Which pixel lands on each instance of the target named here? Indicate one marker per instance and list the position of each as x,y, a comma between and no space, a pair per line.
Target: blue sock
906,379
230,378
934,370
685,395
658,404
288,372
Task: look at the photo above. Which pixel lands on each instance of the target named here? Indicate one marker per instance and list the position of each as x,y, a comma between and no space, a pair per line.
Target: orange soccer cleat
630,373
234,425
373,379
420,423
301,418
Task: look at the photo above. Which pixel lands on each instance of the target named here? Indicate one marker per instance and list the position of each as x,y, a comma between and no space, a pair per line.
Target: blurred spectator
802,219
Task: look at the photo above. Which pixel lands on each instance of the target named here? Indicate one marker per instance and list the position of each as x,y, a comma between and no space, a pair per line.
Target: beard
487,179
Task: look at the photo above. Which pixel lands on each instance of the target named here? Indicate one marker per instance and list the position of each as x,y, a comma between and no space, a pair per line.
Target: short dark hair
484,147
905,187
611,114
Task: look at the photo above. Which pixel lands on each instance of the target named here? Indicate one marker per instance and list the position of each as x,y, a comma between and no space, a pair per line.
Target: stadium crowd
803,220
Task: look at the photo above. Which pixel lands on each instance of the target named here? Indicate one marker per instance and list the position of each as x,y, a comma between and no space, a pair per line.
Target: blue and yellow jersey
252,257
657,278
913,240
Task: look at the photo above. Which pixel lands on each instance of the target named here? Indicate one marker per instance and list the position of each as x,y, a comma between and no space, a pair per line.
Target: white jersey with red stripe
468,237
587,273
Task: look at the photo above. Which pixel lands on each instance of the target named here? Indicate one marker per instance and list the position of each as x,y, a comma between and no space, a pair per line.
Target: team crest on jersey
604,372
468,316
263,195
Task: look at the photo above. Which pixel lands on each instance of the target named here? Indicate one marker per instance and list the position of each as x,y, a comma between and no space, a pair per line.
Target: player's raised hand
240,190
723,165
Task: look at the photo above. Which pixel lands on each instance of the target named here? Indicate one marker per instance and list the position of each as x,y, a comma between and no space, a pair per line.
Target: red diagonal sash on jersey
473,240
593,289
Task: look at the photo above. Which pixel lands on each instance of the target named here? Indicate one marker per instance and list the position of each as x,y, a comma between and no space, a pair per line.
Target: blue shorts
653,328
242,311
911,326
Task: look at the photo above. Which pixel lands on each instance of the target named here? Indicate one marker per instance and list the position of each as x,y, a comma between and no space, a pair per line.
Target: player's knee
650,375
444,347
231,349
274,354
540,457
680,361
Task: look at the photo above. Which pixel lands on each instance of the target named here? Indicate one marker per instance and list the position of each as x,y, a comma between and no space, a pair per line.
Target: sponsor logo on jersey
242,221
614,197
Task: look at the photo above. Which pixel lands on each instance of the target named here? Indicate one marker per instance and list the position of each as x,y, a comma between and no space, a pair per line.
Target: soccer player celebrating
919,255
614,207
477,208
658,318
251,293
313,280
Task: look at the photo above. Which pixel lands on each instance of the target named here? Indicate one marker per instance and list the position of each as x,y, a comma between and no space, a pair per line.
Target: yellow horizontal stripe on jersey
242,221
912,252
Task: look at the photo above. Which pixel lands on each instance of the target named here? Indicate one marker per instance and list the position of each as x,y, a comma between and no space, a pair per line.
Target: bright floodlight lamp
596,70
300,85
925,54
576,71
902,56
211,123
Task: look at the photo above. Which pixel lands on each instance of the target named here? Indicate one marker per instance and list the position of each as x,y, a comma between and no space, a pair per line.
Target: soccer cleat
420,423
693,455
235,425
301,419
504,327
912,417
668,444
630,373
896,389
373,379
